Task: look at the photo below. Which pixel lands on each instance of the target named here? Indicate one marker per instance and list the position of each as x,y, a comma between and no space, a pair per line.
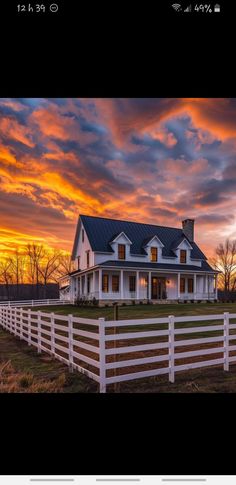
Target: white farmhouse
122,261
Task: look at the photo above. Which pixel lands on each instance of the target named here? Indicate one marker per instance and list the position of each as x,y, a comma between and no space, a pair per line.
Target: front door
158,288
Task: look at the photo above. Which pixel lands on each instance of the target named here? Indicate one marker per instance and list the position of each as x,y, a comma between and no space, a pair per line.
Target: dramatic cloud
154,160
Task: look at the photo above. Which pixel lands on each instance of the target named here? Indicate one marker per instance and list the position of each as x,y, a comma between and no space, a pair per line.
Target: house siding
82,249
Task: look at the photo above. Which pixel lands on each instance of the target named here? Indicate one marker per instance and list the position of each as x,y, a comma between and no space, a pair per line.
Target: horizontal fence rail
57,335
111,352
22,303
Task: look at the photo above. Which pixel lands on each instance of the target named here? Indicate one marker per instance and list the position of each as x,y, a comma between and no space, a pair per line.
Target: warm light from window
143,282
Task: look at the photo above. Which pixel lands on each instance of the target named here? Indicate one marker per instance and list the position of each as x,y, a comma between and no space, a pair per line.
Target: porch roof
160,266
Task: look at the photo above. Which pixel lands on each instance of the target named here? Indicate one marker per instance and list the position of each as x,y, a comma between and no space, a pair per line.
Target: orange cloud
66,166
10,127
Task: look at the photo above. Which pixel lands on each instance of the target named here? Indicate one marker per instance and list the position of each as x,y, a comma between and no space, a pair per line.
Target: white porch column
137,285
178,286
86,284
72,291
194,285
216,289
149,284
100,284
205,284
93,283
121,284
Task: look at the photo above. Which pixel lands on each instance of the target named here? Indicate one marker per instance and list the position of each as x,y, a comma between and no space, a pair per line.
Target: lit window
183,255
182,285
132,283
190,285
105,283
153,254
115,283
121,251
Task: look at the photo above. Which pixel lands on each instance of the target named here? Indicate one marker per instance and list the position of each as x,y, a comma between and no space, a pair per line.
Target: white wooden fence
22,303
96,347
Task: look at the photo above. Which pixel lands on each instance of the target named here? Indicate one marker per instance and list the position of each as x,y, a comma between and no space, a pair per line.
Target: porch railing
143,295
197,296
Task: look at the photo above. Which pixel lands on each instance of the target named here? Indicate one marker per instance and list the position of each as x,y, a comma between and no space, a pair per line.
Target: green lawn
142,311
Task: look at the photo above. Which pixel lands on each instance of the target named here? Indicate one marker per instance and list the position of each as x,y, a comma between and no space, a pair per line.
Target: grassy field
142,311
40,373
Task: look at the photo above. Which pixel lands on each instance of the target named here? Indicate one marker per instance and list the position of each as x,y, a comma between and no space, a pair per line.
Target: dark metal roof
159,266
177,242
101,231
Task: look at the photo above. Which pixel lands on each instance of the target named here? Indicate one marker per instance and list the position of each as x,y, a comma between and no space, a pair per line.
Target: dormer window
183,255
121,251
87,258
153,254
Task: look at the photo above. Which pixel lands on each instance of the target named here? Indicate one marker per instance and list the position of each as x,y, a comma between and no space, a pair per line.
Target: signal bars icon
188,9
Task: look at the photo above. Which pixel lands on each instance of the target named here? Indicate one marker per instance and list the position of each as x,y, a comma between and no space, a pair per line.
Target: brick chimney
188,229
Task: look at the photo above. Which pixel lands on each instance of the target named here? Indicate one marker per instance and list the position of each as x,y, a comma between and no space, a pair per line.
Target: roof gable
117,237
101,231
149,240
180,243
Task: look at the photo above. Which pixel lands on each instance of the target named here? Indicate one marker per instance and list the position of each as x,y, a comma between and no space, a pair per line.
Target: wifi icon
177,7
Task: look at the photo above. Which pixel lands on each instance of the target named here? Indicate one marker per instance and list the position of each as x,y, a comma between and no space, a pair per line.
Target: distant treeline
32,273
29,292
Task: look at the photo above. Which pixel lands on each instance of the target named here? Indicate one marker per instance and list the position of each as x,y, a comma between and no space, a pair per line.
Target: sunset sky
148,160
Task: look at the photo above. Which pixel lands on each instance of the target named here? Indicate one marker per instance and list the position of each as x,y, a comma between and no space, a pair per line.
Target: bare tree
6,274
225,261
36,265
17,269
35,255
65,266
48,267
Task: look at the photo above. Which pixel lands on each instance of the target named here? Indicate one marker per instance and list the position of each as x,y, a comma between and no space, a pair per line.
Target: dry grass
12,380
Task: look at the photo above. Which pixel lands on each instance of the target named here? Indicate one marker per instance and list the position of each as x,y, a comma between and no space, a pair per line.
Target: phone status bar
208,8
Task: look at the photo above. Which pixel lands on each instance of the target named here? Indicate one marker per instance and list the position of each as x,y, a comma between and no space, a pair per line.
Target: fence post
171,348
32,302
52,333
39,331
21,323
70,341
226,341
10,319
4,317
14,321
102,355
29,326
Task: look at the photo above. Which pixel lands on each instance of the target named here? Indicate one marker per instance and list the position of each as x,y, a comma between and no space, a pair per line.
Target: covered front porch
128,285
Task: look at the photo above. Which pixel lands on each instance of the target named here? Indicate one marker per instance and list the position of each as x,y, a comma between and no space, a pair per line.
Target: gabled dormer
153,248
182,250
120,245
